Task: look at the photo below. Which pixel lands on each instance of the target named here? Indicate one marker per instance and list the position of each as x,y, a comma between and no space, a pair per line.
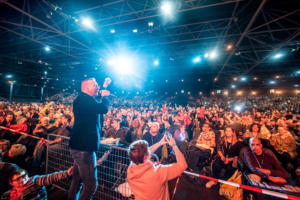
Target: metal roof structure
255,31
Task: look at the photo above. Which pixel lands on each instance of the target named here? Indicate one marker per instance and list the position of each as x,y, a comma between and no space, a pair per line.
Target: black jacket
85,135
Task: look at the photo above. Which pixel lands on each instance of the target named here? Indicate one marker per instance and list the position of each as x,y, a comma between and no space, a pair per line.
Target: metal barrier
111,172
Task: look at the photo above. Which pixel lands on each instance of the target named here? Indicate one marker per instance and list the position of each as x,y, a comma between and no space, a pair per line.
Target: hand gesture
277,179
254,177
106,82
104,93
164,140
171,141
70,171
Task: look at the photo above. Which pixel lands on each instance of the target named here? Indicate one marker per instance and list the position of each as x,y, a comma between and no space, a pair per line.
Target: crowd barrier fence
112,166
111,170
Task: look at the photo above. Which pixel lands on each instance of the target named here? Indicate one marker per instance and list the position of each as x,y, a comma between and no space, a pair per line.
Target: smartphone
168,134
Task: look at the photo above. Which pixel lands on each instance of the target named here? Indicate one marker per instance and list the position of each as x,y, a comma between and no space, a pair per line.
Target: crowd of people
210,132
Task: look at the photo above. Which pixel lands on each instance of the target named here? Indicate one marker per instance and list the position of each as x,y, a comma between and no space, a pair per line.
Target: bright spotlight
88,23
134,30
213,55
122,64
278,55
229,47
197,59
238,108
112,30
298,72
253,93
233,86
272,82
243,79
47,48
8,76
167,8
150,24
206,55
156,62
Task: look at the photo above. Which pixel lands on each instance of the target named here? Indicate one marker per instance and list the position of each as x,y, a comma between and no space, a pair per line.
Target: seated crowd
211,135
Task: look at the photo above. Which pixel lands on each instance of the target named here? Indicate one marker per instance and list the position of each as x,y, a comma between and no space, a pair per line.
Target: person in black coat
85,137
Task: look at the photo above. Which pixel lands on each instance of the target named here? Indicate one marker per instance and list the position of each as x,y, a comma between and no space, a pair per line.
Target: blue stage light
197,59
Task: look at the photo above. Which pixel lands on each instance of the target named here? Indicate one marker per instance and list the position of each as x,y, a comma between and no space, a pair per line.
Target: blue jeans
84,181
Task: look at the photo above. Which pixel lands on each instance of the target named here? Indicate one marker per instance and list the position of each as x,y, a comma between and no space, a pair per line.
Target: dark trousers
84,180
197,156
217,167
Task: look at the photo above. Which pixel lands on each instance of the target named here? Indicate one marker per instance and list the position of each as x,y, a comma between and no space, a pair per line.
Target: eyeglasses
22,176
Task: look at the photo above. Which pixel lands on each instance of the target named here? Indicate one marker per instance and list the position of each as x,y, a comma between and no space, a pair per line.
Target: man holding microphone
85,137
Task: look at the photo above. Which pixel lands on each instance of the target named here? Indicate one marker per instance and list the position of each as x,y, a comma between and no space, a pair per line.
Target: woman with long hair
227,155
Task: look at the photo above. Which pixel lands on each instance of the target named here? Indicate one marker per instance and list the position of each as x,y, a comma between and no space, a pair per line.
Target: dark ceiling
257,29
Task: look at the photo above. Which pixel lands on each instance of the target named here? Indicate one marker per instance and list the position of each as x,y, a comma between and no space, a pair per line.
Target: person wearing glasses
25,187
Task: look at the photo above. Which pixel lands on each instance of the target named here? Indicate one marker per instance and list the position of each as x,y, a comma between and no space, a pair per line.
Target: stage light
233,86
218,91
200,93
206,55
253,93
156,62
9,76
255,78
213,55
277,77
277,56
213,93
88,23
47,48
197,59
199,80
134,30
167,8
279,92
150,24
272,91
45,72
239,93
298,72
215,79
228,47
272,82
225,93
235,78
296,85
238,108
112,31
182,91
122,64
243,79
297,91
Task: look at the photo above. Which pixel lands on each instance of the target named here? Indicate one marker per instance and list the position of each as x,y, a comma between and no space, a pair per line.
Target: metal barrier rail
111,172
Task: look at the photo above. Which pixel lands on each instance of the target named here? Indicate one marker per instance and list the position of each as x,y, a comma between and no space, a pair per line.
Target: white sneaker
209,184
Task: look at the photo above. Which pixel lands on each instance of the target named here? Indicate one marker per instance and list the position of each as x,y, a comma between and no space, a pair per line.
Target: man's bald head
90,87
255,145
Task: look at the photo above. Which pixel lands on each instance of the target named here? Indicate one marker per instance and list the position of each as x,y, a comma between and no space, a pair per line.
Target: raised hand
106,82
